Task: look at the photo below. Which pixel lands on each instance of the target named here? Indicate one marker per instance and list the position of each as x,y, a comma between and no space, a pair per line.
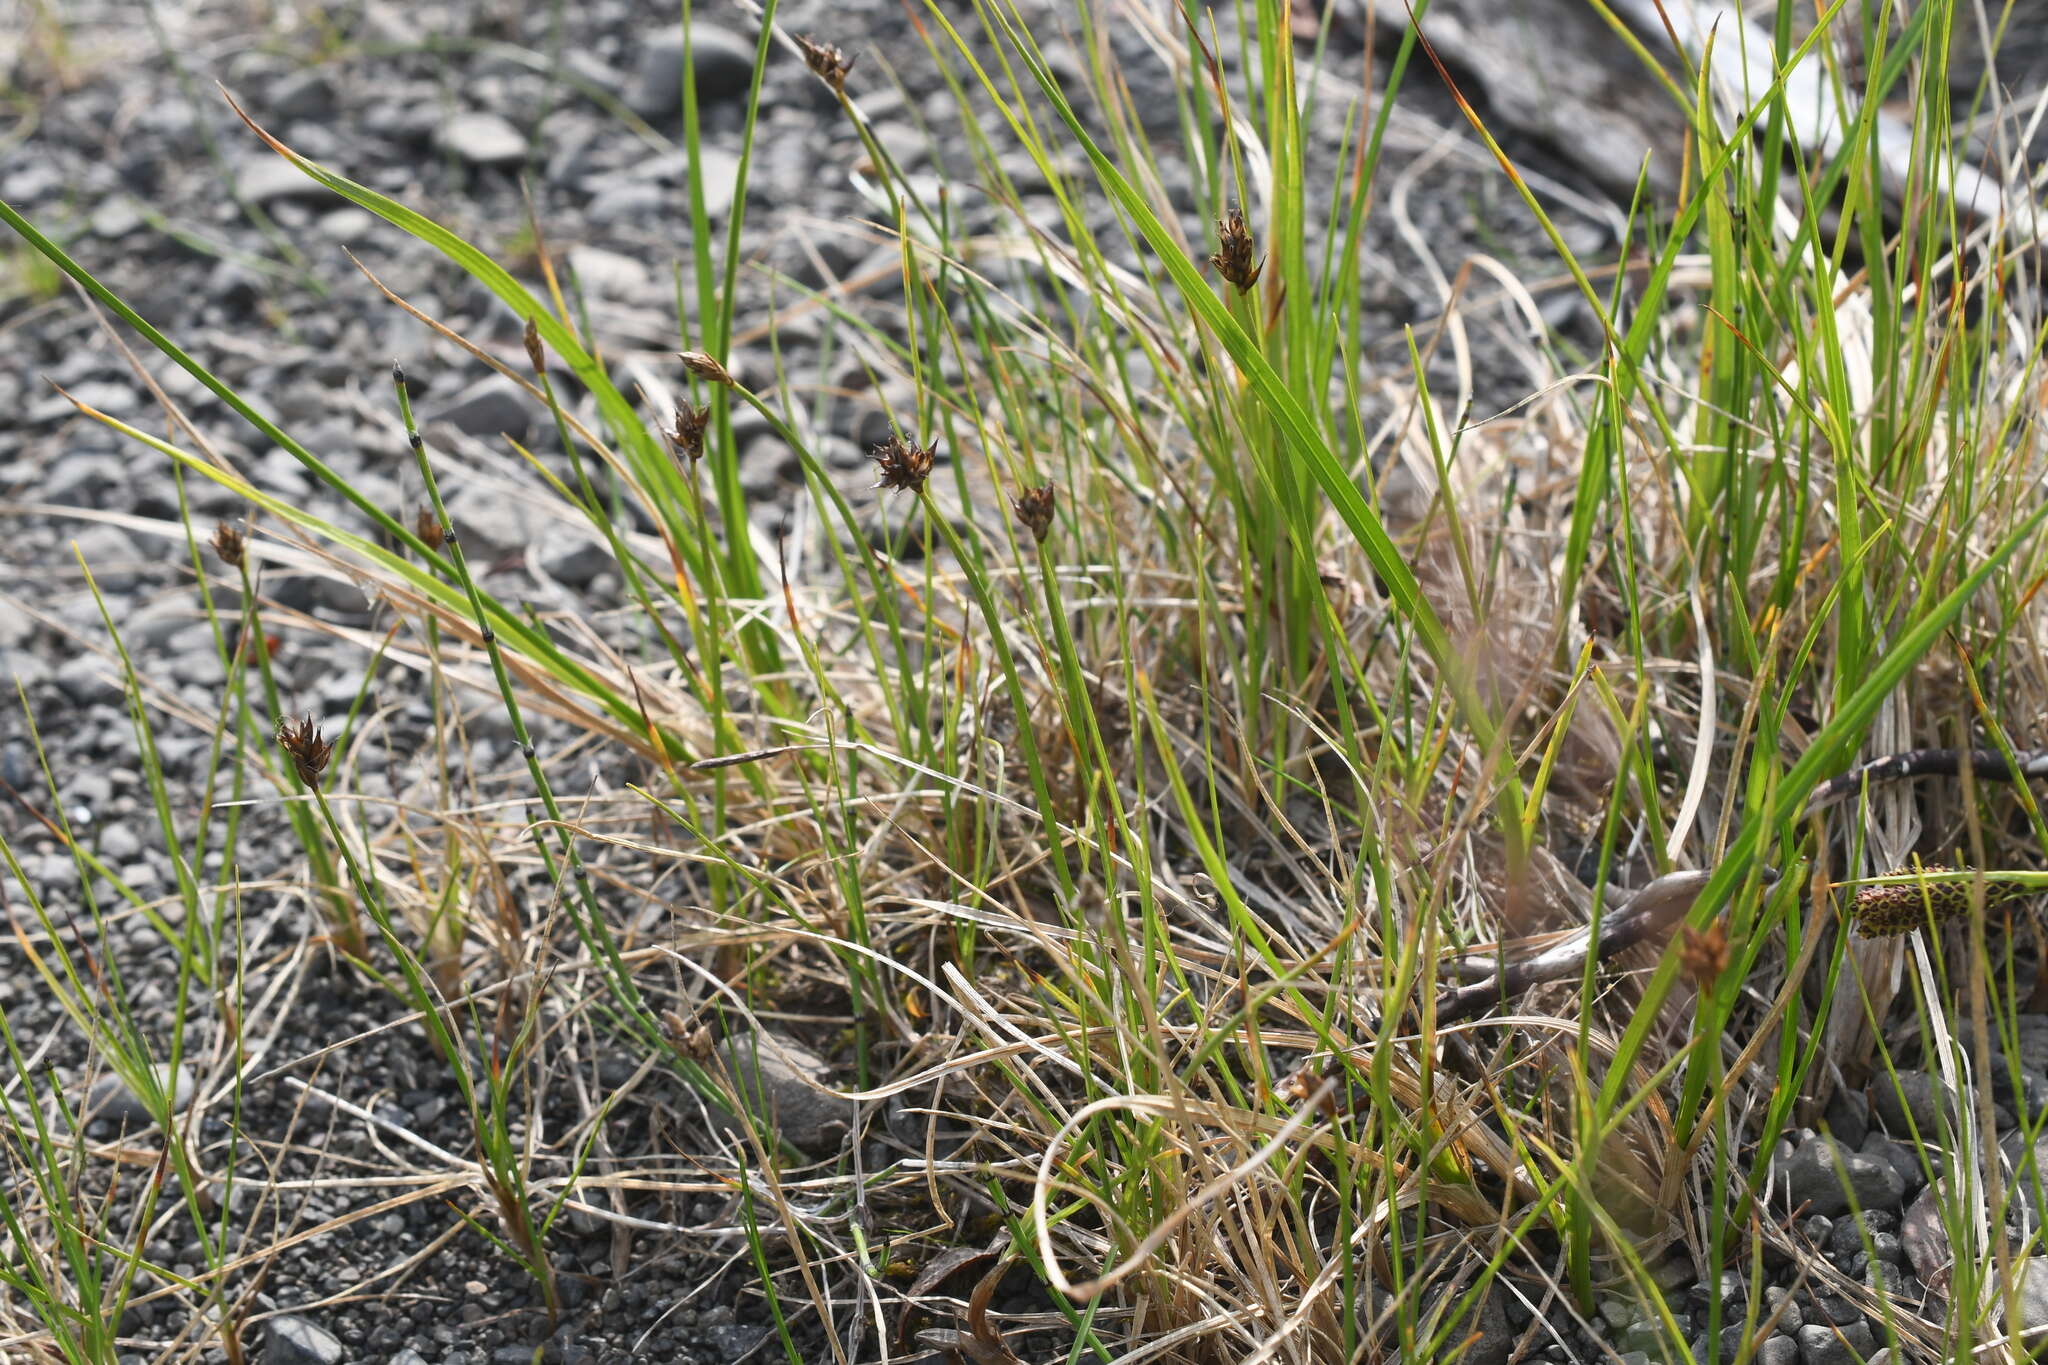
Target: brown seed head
1233,258
303,744
707,367
534,350
827,63
688,435
903,465
1704,953
229,543
1034,509
429,529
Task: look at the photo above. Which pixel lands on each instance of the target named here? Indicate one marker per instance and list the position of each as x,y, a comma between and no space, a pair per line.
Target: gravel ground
127,158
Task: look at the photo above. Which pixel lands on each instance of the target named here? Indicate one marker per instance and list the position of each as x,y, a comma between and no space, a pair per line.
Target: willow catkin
1901,907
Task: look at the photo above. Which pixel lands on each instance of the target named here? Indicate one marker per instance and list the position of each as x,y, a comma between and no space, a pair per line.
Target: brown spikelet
903,465
706,367
302,742
1034,508
826,62
688,434
1704,953
429,529
534,350
1234,252
229,543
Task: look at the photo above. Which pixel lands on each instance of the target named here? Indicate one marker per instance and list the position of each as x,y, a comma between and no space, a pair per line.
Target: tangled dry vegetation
1032,934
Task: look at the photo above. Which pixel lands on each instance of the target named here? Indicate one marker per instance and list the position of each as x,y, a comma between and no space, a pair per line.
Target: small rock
575,560
347,225
111,1099
117,217
491,523
609,274
1924,1237
722,60
1822,1175
781,1081
1848,1345
86,679
266,178
290,1340
629,201
2030,1312
720,172
489,408
484,140
1848,1117
16,625
119,844
1911,1107
1901,1158
305,93
112,556
730,1342
1782,1350
1779,1305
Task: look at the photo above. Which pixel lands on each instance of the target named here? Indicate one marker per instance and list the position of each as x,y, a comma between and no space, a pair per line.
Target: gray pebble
489,408
1822,1175
290,1340
112,1100
267,178
112,555
722,60
780,1079
89,681
2030,1315
575,559
484,140
1910,1107
1823,1345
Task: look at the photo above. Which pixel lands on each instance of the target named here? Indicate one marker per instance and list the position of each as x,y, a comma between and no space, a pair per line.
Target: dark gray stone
723,62
780,1081
1910,1107
306,93
489,408
1850,1344
575,560
89,680
111,1098
292,1340
1848,1117
1822,1175
1899,1156
730,1342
